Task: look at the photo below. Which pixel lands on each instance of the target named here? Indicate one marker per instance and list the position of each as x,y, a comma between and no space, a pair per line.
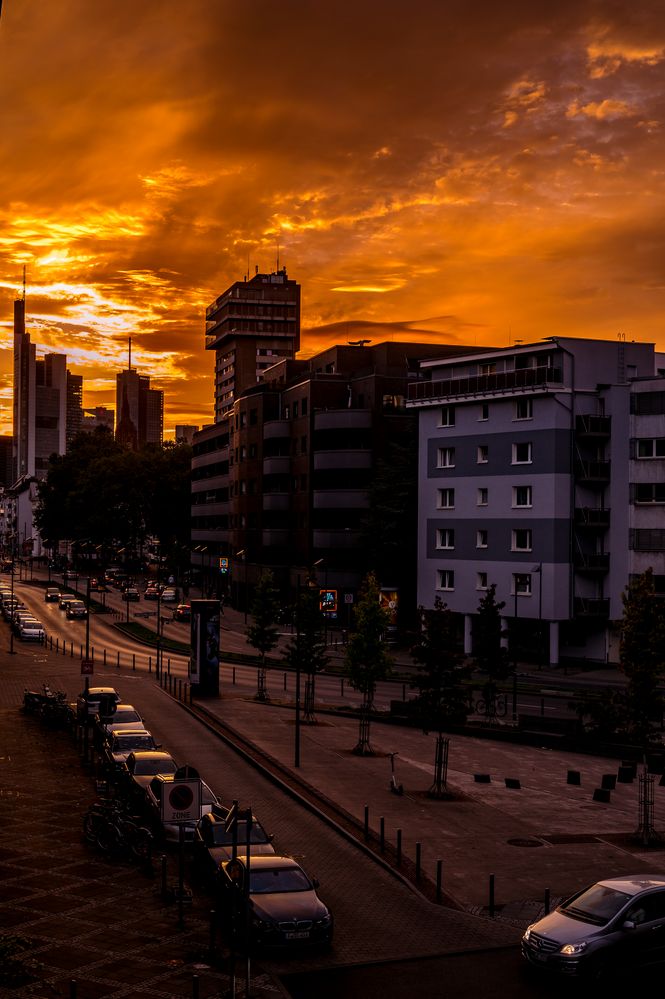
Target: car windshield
124,716
278,879
598,904
150,768
126,743
223,838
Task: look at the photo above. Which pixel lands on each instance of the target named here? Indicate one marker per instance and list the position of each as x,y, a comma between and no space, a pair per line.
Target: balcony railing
500,381
593,471
592,562
594,519
593,426
590,607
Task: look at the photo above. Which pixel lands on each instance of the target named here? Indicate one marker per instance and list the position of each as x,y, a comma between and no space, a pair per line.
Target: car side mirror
158,745
271,837
316,882
629,925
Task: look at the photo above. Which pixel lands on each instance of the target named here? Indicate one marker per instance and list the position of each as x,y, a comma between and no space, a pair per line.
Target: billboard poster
389,601
204,662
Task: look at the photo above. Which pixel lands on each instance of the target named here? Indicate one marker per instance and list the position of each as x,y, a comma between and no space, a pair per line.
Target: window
484,411
243,419
243,487
252,450
481,539
447,416
649,492
650,447
522,453
446,457
303,445
243,452
445,538
521,540
522,584
524,409
446,499
253,417
483,496
522,496
487,368
287,412
303,407
446,579
481,581
482,454
295,410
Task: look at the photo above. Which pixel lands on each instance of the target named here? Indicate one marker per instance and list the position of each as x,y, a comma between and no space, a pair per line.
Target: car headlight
571,950
527,933
324,921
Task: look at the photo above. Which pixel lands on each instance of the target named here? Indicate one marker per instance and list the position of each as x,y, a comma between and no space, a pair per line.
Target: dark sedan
609,926
117,748
284,909
213,843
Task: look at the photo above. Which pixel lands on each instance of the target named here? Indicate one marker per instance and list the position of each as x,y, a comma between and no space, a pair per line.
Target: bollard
382,834
163,875
133,660
211,935
118,660
92,653
234,675
399,847
366,821
403,691
542,707
439,878
285,681
341,687
104,657
195,987
418,860
57,642
491,898
168,666
149,664
80,652
73,989
179,689
547,901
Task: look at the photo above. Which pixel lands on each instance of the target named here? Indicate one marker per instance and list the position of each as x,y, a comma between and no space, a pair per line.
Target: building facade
139,410
542,471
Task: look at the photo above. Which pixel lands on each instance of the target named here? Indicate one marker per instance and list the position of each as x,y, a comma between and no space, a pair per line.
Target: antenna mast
130,353
24,282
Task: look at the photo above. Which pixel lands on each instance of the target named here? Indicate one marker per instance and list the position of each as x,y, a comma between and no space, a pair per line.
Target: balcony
591,607
593,472
340,499
342,419
501,381
275,538
592,562
342,459
276,501
344,537
593,427
592,518
278,465
276,428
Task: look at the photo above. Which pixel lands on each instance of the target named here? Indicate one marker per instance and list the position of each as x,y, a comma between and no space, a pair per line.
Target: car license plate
297,935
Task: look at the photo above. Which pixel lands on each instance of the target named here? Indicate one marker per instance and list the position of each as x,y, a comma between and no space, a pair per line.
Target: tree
262,633
442,699
642,655
307,649
366,658
491,656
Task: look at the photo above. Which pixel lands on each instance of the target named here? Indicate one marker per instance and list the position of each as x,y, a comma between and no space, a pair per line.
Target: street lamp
12,650
242,554
539,570
319,562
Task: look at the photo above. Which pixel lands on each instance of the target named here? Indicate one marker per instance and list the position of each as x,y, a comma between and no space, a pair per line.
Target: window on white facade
484,411
483,496
522,584
446,499
650,447
446,579
521,540
445,538
649,492
524,409
446,457
481,581
522,453
481,539
522,496
447,416
482,454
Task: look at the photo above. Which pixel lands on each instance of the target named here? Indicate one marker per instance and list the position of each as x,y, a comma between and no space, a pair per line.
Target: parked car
142,766
122,742
76,609
183,612
131,593
606,927
171,830
31,630
284,908
125,716
52,594
213,843
88,701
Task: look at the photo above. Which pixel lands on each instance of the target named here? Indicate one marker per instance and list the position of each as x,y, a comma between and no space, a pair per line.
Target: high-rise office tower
139,410
251,326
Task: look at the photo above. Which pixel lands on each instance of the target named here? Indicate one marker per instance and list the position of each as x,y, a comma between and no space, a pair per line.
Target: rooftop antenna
24,282
278,256
130,354
247,274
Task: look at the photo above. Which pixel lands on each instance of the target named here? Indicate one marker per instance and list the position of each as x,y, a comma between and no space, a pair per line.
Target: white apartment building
542,471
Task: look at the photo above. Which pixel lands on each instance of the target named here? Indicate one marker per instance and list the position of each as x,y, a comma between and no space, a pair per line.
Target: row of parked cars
284,907
24,624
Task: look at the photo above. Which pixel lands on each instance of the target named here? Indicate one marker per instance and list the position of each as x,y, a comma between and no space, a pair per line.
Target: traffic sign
181,801
87,667
224,564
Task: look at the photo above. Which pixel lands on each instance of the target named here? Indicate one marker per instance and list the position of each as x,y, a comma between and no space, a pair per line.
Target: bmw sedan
609,926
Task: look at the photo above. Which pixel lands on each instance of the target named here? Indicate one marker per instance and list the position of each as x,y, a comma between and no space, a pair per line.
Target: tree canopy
442,699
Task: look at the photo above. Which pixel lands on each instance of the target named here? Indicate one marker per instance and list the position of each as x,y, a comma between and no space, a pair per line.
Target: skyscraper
139,410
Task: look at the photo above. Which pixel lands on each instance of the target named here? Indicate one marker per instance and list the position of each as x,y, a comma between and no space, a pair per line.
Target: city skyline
475,174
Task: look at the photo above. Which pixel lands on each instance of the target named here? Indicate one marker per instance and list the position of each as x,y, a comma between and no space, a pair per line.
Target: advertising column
204,662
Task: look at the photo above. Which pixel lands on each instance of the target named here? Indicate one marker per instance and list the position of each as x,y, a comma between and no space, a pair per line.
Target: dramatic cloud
450,169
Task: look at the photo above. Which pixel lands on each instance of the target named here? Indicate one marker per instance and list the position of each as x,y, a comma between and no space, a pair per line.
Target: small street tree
442,700
642,655
367,658
491,656
306,651
262,634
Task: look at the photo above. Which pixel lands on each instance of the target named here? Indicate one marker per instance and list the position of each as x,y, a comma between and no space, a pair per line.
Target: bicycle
109,826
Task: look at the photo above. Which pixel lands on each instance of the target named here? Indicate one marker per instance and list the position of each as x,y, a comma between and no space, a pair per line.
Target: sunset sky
475,172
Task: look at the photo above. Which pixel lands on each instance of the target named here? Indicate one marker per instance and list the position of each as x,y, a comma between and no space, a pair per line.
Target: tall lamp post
317,565
539,570
12,650
243,555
